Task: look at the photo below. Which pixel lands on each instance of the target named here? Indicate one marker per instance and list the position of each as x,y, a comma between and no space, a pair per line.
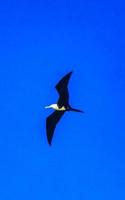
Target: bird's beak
47,107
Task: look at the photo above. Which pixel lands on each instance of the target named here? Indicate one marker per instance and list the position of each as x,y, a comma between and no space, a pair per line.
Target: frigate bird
60,108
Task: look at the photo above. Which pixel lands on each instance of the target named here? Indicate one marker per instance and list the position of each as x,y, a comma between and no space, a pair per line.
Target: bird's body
60,108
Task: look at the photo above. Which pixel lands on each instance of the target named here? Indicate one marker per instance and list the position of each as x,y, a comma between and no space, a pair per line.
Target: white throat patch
55,107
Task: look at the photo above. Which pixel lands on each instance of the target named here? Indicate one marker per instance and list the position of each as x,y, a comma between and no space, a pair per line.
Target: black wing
51,122
62,88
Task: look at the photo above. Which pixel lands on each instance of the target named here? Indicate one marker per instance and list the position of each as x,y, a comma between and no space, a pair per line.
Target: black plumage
51,122
62,89
63,101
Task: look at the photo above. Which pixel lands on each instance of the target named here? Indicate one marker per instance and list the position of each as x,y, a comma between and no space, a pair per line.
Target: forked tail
76,110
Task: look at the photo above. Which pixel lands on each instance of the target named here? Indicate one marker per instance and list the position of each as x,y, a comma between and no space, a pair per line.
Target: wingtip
50,144
71,72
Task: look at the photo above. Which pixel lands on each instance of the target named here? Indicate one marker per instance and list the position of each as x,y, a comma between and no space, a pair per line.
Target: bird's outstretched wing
62,89
51,123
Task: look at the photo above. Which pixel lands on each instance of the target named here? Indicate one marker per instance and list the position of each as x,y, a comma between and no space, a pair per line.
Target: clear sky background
40,41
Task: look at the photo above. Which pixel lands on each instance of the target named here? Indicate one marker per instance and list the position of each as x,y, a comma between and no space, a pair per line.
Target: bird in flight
60,107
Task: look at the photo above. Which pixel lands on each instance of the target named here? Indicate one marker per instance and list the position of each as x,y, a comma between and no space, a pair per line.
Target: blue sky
40,42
